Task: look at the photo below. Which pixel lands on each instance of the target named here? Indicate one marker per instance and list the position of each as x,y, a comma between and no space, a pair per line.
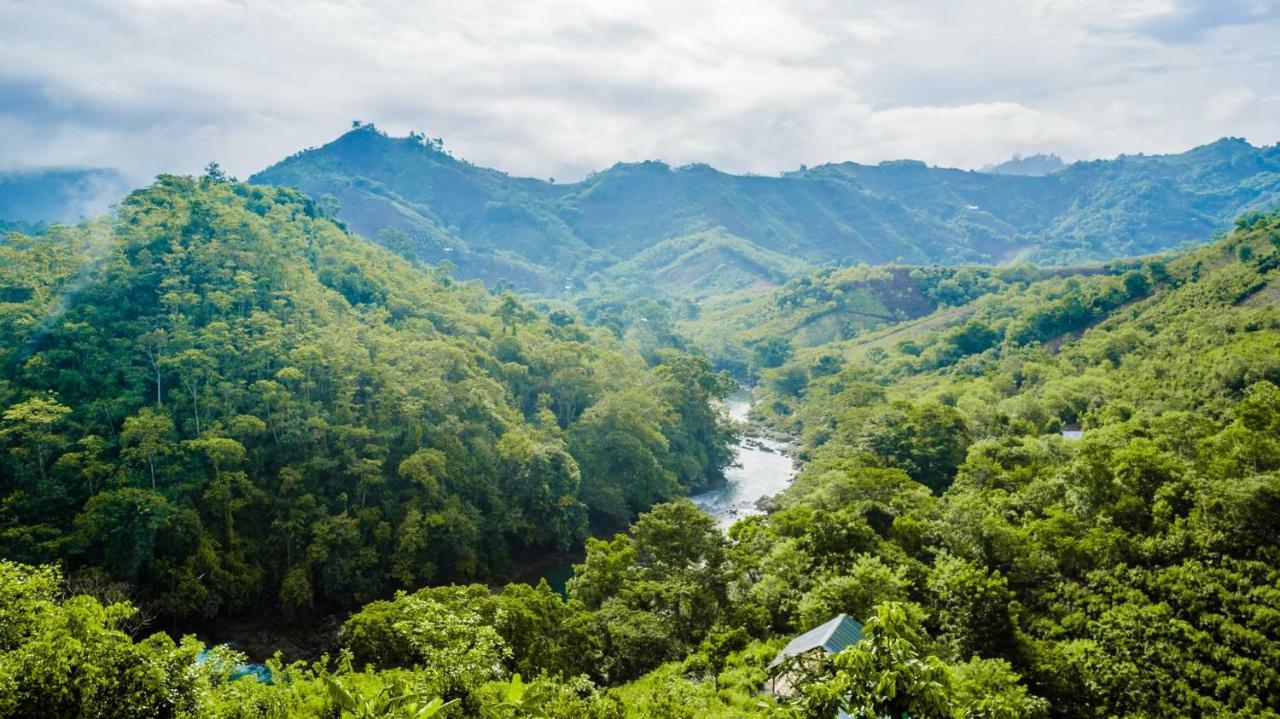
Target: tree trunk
195,409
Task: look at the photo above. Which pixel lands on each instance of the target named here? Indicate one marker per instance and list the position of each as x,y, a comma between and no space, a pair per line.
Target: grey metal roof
832,636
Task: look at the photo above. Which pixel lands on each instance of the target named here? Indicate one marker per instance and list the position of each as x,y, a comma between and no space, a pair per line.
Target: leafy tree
148,438
772,352
886,674
973,608
868,583
32,428
604,570
68,659
990,689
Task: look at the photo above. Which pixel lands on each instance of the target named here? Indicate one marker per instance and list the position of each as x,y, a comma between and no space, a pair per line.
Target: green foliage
855,592
886,674
972,608
222,399
69,659
547,699
990,689
239,406
1119,574
392,700
929,441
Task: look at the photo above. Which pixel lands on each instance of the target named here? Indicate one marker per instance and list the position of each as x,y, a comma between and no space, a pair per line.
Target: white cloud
561,88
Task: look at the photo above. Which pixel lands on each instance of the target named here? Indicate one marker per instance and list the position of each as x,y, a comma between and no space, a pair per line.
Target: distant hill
703,265
1030,166
831,305
58,195
545,237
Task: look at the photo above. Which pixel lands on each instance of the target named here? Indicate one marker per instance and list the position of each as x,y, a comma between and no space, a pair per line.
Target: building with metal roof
804,653
833,636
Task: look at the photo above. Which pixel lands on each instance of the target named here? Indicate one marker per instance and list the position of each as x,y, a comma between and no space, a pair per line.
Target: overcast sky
561,88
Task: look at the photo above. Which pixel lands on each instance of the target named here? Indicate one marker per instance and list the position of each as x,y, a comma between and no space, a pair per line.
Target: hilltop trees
230,402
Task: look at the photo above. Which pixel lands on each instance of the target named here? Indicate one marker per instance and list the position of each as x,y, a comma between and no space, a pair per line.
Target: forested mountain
31,197
1000,567
223,402
1204,311
370,431
607,229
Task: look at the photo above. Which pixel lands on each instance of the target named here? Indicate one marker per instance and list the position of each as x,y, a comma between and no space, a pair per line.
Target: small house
804,655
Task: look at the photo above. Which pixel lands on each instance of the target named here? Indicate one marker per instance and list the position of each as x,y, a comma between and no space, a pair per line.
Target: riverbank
260,637
763,467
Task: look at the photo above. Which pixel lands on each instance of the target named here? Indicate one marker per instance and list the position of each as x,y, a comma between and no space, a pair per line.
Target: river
762,468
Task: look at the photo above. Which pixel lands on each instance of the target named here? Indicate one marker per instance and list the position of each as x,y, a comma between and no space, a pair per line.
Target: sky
559,89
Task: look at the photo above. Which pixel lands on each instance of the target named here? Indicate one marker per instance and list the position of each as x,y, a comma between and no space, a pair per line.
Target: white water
762,470
759,473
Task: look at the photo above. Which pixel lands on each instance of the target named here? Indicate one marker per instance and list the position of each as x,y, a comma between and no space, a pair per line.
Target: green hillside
749,332
546,237
702,266
225,403
998,567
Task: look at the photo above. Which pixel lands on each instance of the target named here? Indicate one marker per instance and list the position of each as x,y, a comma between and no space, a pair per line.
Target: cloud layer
561,88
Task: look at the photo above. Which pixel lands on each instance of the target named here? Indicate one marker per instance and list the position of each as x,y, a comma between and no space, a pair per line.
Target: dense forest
226,403
220,400
694,229
735,360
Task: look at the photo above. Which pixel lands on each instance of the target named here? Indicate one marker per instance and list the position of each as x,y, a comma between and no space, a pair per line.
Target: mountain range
696,228
695,231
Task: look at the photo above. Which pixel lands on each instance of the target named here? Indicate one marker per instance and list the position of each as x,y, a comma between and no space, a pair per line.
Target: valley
697,360
228,417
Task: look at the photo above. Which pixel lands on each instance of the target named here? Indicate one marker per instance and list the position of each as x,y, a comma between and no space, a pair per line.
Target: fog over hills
58,194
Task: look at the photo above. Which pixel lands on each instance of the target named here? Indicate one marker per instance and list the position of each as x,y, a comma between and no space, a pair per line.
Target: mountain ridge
544,236
1030,165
